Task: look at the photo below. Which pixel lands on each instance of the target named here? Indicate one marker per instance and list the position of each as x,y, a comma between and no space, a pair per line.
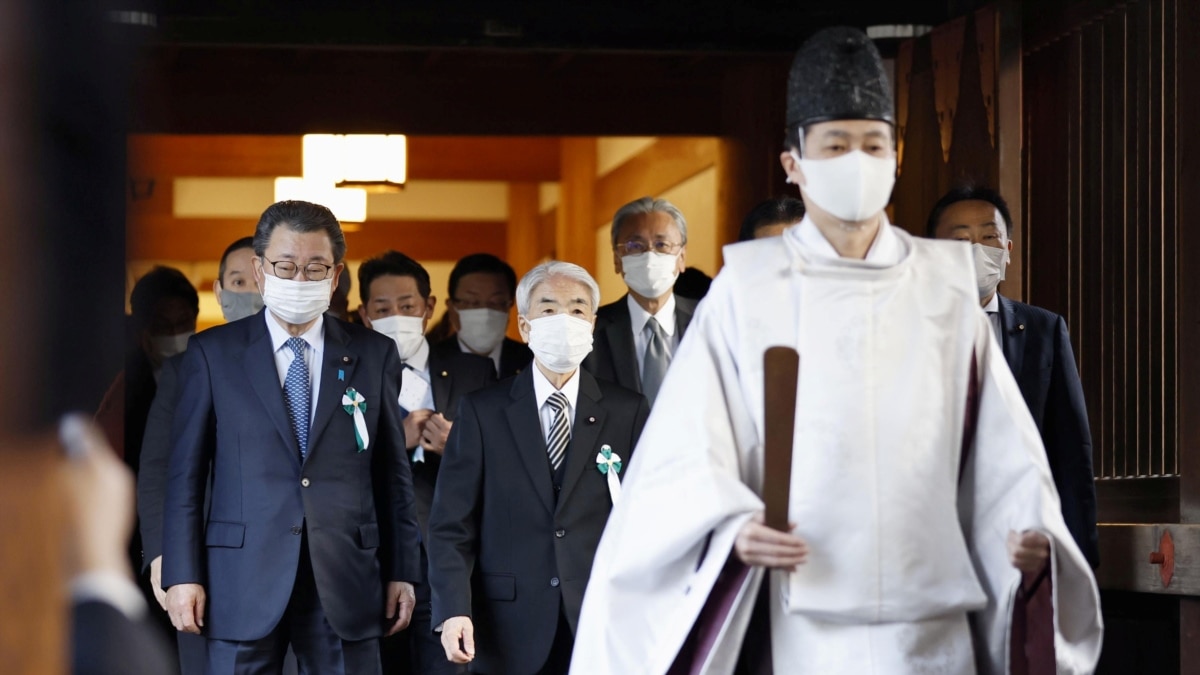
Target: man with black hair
310,537
919,508
482,291
397,301
234,287
1037,346
771,218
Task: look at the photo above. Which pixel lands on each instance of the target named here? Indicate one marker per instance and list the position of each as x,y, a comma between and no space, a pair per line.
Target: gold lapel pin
445,374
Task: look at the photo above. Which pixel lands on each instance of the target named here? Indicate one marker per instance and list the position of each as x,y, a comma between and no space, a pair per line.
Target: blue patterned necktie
297,393
560,430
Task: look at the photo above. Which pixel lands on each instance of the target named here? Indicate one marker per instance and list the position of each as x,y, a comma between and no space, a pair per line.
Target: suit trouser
417,649
319,650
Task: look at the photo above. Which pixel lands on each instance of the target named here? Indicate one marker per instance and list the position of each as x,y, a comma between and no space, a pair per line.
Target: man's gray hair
648,205
547,270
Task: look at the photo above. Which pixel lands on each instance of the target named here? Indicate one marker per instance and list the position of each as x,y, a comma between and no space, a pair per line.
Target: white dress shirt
315,337
418,365
542,389
637,322
993,312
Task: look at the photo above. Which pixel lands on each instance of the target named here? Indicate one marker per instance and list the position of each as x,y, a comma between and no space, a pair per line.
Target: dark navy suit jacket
357,506
506,547
1038,349
614,355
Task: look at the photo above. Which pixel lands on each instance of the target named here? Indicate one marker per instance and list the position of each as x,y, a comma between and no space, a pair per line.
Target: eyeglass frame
275,269
475,304
671,247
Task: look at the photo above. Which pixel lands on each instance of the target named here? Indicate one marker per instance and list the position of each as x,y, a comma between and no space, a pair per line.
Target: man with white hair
637,335
529,475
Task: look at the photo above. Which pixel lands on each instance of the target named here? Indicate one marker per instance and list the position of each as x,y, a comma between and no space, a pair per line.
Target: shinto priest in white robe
906,525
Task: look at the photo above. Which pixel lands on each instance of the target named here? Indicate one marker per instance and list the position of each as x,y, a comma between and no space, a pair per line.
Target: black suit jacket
356,505
156,449
505,549
452,375
614,356
514,356
1038,349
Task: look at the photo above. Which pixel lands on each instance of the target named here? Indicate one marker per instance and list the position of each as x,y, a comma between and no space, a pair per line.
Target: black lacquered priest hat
838,75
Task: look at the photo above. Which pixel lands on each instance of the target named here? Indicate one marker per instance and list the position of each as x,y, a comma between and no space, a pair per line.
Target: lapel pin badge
341,375
591,420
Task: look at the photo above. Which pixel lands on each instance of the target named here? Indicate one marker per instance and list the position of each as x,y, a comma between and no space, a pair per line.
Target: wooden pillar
748,169
524,248
575,231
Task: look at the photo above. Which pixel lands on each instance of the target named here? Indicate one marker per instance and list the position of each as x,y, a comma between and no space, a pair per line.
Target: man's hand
1029,552
458,639
414,424
437,430
185,605
401,599
156,582
760,545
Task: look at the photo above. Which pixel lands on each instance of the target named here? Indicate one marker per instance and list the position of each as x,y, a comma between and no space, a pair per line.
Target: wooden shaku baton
781,372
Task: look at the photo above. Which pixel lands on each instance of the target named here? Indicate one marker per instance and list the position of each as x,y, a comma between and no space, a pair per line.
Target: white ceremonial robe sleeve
1006,485
649,580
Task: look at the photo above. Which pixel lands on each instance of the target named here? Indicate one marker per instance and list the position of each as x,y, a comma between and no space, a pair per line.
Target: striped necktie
560,430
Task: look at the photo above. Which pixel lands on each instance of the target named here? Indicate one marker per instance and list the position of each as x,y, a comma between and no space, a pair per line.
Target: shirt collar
420,360
494,355
314,336
665,315
542,389
885,250
993,305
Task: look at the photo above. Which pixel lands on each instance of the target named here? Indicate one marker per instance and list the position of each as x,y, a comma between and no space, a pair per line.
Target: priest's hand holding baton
767,539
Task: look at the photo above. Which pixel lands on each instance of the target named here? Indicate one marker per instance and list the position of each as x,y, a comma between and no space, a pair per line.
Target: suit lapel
620,340
585,433
1013,327
336,373
441,380
528,439
259,364
683,315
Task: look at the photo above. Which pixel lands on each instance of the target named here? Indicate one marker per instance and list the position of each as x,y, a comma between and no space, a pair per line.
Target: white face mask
166,346
481,329
560,342
990,263
852,187
296,302
236,306
650,274
407,331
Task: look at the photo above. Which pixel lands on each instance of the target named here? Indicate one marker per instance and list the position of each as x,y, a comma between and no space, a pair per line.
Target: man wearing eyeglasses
483,289
636,336
310,538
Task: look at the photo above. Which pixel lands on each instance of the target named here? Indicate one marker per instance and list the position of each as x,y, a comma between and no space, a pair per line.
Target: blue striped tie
297,393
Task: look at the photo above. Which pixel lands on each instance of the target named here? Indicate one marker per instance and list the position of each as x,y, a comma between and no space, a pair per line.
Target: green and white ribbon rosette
354,404
609,464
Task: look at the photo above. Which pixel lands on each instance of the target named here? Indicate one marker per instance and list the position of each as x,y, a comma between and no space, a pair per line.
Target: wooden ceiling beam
479,158
194,239
665,164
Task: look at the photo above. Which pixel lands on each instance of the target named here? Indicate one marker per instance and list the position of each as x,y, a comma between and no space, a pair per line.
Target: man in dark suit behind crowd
1037,347
294,411
397,302
239,297
482,290
637,335
528,480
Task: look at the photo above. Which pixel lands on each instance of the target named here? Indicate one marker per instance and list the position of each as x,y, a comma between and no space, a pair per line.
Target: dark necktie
658,357
560,430
297,393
